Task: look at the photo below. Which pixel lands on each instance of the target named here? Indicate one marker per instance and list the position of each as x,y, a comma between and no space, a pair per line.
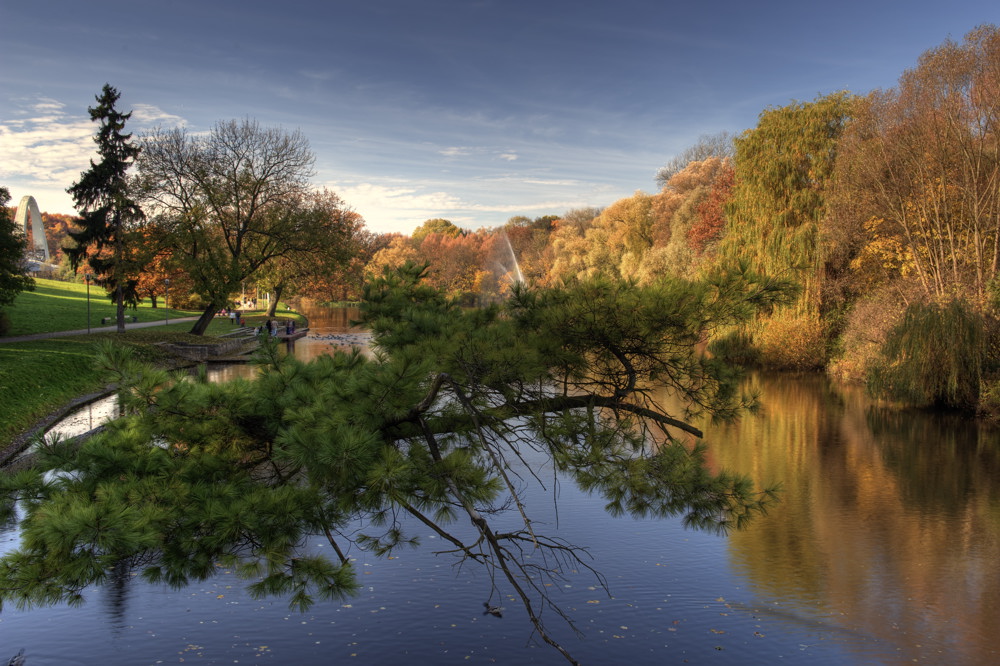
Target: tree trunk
204,320
120,307
274,301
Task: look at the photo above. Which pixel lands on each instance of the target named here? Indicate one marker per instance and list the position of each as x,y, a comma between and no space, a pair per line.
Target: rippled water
884,550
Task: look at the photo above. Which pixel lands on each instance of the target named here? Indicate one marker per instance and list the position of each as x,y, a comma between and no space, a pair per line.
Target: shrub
789,341
934,356
866,327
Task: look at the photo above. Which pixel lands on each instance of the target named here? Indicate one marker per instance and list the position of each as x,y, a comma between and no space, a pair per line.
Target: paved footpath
93,329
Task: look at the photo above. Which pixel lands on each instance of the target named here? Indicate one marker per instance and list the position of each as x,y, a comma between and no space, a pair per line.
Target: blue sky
474,110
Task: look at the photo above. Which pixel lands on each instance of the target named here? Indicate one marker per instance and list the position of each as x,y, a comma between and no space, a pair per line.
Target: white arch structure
29,205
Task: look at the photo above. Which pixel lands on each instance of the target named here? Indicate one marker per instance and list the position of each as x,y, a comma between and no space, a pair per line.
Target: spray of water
516,275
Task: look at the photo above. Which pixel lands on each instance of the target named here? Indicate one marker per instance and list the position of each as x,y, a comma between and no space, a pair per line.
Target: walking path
93,329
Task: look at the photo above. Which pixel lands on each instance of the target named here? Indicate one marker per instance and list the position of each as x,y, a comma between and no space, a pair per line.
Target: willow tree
433,427
783,169
783,172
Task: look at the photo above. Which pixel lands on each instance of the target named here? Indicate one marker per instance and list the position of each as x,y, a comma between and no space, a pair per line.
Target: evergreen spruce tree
108,213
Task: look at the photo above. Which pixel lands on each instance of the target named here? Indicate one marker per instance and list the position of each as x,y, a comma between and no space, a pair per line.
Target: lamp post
166,300
86,277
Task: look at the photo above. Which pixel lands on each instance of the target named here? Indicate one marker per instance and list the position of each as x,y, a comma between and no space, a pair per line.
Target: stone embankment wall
199,352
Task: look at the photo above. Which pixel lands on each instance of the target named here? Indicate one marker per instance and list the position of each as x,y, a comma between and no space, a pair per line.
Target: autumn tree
435,226
711,223
676,210
109,212
399,250
226,201
346,281
528,240
708,145
920,167
457,265
324,243
159,268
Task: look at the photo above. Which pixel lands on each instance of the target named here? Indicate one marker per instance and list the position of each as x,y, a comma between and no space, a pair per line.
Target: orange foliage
455,262
711,212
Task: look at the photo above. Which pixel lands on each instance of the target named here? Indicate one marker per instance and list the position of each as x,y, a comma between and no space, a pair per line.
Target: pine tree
108,213
433,427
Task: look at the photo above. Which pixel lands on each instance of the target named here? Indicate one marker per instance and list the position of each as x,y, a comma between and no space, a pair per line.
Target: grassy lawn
62,306
38,377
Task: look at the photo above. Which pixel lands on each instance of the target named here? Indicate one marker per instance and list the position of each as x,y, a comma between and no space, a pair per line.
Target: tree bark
204,320
272,309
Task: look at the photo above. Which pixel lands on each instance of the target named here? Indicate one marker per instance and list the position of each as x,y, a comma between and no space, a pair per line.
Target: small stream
329,330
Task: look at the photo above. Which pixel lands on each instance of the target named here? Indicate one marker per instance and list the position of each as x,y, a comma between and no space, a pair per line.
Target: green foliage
109,213
783,169
13,279
431,426
933,357
436,226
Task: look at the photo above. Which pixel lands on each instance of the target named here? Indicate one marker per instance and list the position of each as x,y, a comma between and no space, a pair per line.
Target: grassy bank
62,306
39,377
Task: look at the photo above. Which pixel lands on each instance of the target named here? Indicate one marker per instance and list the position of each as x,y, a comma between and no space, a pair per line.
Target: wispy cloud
45,148
404,206
456,151
146,116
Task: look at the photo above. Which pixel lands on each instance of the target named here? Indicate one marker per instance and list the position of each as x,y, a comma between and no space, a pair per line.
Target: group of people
271,327
234,316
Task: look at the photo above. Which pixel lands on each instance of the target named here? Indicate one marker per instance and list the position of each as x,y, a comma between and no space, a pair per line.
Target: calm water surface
884,550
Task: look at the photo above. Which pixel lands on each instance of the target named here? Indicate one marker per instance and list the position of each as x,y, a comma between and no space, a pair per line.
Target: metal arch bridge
29,206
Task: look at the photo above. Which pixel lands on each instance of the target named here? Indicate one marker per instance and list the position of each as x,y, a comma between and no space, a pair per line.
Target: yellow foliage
792,341
885,255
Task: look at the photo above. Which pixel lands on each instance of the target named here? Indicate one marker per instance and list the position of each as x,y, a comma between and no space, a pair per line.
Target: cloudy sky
471,110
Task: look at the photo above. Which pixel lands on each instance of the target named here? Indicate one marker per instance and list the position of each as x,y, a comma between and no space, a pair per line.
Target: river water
885,549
